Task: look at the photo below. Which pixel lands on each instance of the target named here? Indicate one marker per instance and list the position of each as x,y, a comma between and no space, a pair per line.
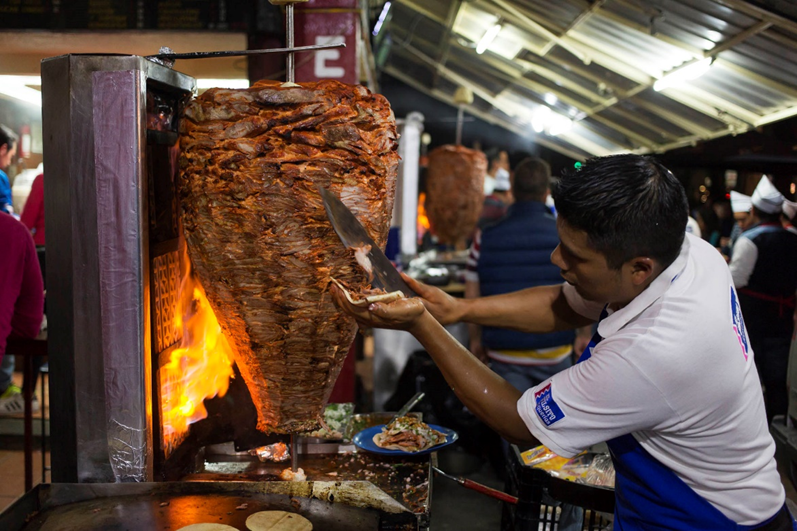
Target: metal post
289,65
460,120
294,454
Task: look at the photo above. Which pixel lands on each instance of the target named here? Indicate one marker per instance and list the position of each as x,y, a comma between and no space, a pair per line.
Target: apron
651,497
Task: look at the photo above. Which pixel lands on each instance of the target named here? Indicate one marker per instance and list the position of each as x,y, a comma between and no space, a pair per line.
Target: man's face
586,269
7,155
744,219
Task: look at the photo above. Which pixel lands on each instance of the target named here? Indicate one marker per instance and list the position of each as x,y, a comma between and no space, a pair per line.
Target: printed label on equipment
547,408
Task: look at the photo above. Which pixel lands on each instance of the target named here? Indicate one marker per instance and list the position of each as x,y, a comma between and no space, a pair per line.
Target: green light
577,165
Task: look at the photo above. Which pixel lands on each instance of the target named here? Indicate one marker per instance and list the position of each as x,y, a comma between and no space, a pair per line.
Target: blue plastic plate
365,440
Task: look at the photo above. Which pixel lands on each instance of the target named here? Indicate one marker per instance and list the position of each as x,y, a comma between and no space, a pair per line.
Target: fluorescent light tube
683,74
487,39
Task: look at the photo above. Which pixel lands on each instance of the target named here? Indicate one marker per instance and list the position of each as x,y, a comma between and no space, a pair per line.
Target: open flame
423,219
200,368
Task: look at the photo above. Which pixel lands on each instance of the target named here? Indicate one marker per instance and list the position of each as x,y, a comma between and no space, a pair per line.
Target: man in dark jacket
514,254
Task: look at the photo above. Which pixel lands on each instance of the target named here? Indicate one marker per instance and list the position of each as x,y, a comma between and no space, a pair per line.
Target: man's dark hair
629,205
7,136
532,179
766,217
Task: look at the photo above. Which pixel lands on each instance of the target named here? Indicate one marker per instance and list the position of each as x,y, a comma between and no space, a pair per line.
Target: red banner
328,22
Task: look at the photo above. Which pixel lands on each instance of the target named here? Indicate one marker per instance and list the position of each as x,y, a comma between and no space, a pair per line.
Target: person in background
21,296
709,225
693,227
668,381
789,215
33,218
514,254
33,212
8,148
765,277
740,206
497,160
497,203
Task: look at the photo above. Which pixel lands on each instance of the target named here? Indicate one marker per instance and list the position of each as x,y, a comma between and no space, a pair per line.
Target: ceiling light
540,117
487,39
684,73
559,125
222,83
17,88
381,19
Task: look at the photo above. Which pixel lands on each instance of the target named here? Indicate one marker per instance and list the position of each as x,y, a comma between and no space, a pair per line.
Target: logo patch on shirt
738,324
547,408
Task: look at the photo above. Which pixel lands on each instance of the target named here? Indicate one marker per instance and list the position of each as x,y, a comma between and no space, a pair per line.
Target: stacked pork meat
258,235
455,192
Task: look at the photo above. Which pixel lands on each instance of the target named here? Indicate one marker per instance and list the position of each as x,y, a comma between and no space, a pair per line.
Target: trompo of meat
258,235
455,192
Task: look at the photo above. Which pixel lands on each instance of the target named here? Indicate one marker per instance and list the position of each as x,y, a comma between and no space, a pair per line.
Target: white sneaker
12,404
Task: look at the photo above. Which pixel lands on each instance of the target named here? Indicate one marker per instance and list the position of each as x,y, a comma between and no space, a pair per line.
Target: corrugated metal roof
595,64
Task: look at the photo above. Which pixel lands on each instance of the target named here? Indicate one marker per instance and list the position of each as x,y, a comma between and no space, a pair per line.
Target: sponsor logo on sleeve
738,324
547,408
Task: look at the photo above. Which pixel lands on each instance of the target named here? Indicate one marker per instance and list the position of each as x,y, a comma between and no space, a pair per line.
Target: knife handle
484,489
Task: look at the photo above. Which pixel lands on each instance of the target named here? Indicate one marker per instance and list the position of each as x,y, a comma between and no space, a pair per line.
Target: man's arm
745,255
536,310
29,305
482,391
474,330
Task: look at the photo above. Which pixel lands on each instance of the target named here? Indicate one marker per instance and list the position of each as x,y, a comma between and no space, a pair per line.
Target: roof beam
487,117
760,13
445,43
582,17
421,8
538,29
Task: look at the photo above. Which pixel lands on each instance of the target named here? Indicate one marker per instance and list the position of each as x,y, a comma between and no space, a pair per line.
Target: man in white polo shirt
669,380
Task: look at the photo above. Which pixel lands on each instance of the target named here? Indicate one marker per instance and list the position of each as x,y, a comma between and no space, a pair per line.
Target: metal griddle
330,506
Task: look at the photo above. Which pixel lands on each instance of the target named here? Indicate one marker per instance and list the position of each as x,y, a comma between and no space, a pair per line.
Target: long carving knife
355,237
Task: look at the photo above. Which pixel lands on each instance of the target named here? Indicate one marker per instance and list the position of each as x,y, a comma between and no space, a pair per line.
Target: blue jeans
6,372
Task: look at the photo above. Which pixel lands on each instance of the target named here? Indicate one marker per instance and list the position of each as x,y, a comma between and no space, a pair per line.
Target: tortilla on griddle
278,521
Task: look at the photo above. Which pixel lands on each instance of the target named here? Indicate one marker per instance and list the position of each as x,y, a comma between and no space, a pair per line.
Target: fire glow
423,219
200,368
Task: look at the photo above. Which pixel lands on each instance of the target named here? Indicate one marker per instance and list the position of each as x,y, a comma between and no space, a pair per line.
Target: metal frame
99,338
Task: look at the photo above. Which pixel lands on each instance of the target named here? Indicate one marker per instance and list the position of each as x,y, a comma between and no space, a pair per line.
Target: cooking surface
170,506
405,478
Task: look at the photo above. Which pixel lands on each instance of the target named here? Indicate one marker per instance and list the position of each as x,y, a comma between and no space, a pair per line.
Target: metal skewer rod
206,55
294,454
460,121
289,30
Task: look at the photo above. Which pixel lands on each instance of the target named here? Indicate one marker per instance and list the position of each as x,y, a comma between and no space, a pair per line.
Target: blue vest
516,254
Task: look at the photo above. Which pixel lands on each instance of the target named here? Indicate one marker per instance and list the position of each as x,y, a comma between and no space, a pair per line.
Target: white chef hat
502,183
740,202
789,208
766,197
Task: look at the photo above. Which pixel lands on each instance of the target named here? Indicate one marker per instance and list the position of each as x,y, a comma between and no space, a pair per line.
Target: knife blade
354,236
406,407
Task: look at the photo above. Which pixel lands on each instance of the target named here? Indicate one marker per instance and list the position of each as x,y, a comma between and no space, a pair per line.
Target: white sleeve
745,254
591,402
579,305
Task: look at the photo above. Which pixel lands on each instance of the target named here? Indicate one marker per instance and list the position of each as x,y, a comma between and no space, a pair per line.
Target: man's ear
3,150
642,268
